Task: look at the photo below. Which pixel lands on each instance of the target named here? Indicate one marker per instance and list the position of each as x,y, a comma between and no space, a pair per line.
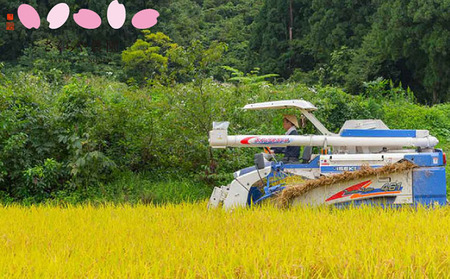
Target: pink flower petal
116,14
145,19
87,19
58,15
28,16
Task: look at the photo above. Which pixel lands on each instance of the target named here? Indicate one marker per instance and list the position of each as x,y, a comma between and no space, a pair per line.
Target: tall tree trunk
291,20
291,26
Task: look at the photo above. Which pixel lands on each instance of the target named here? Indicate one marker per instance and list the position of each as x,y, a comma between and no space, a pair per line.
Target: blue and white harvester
349,159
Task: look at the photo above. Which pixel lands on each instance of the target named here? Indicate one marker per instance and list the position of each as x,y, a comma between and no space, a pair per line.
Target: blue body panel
429,186
379,133
426,159
311,165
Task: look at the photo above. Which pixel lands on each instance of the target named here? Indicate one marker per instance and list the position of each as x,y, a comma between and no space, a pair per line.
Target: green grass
128,188
144,188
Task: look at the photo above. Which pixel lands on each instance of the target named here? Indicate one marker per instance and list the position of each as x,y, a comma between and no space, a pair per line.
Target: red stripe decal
245,141
351,188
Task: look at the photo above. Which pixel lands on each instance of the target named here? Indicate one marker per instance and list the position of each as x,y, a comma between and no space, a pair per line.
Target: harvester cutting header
365,163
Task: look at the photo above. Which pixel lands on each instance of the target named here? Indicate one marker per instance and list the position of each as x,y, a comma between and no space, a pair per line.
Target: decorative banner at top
86,18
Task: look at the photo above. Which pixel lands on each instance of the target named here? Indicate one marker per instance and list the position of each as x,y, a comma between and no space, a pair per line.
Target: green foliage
339,43
13,43
156,60
253,78
384,89
347,43
196,62
184,21
223,21
2,75
41,180
408,42
48,59
148,59
39,123
318,29
269,45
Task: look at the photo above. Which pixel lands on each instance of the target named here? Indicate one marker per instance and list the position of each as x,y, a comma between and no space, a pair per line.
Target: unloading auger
365,163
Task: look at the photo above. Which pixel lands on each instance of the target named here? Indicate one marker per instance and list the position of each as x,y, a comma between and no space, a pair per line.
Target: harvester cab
365,163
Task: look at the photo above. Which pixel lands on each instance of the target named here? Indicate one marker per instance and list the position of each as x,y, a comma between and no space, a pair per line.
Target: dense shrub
54,61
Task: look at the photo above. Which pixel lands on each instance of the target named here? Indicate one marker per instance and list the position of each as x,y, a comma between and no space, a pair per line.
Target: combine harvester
365,163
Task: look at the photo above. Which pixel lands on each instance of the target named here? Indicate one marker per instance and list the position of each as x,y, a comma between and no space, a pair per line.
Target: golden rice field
188,241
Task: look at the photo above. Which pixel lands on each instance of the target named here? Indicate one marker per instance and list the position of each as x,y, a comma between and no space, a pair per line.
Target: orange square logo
10,26
10,17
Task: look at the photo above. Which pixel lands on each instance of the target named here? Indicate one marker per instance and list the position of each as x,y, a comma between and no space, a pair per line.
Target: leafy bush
41,180
54,62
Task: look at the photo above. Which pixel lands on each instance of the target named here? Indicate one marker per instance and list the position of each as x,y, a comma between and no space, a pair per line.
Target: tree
156,59
269,42
319,28
408,43
148,59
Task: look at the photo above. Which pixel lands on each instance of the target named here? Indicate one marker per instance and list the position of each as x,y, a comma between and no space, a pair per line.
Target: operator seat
307,152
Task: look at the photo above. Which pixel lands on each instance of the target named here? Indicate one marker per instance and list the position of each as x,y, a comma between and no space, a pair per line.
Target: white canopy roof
301,104
305,107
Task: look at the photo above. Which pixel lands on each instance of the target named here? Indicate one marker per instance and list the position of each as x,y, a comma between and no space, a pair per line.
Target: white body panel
344,162
236,193
390,183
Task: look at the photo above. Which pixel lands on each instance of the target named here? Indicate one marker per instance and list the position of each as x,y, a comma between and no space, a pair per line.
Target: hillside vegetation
340,43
